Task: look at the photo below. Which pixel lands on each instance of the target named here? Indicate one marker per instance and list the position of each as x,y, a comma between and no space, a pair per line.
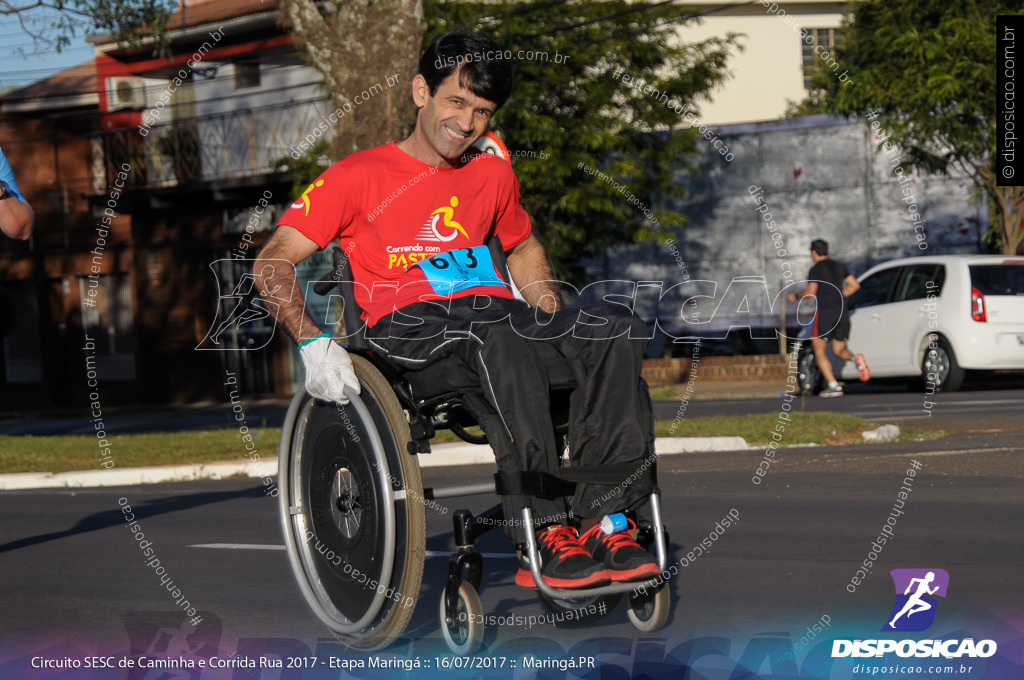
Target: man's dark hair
820,246
484,70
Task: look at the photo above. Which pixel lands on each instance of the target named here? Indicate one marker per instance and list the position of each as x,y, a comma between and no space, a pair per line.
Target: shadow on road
150,508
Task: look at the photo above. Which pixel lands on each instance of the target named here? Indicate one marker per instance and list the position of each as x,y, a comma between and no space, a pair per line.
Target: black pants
511,351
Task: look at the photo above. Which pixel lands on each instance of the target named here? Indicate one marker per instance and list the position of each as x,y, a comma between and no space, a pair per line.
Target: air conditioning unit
126,93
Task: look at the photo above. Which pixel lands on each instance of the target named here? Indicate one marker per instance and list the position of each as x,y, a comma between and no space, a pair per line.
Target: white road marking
879,415
257,546
915,454
236,546
962,402
442,553
1001,449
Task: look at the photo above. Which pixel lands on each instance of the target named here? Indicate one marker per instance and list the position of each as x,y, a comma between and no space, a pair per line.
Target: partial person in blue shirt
16,215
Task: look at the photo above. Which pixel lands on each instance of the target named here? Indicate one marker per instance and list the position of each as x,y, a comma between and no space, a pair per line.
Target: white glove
328,369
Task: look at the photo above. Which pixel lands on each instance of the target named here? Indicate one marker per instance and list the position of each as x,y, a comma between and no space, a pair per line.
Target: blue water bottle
612,524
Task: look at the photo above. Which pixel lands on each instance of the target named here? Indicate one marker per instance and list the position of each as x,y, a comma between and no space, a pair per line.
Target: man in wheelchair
413,217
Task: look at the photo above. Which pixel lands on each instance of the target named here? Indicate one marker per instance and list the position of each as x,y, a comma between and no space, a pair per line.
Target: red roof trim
140,67
207,11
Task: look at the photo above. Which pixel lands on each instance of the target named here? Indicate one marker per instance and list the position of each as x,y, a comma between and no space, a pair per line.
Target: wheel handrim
302,520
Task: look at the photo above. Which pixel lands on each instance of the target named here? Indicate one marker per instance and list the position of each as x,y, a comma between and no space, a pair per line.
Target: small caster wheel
649,612
464,630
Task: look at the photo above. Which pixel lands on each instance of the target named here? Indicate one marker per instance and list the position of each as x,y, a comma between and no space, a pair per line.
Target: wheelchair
352,507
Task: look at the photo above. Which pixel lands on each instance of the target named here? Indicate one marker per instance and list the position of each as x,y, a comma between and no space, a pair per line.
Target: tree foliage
576,112
928,66
126,21
304,170
570,114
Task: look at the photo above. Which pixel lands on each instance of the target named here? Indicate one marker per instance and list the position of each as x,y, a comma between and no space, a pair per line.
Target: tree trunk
368,52
1011,206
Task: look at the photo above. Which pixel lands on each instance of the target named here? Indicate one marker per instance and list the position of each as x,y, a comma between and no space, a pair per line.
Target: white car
931,319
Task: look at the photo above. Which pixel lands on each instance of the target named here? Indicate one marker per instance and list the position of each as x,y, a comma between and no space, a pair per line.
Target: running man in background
16,216
832,319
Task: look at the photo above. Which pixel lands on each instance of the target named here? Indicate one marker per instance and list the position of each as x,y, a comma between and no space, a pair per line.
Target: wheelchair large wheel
352,511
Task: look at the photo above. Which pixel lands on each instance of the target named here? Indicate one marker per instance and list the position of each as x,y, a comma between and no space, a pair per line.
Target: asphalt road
873,401
268,413
954,411
74,581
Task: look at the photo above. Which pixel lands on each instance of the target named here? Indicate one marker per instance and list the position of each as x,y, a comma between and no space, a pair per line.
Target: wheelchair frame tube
289,512
459,490
568,594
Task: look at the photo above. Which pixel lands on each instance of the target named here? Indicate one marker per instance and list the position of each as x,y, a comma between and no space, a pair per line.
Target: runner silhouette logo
916,590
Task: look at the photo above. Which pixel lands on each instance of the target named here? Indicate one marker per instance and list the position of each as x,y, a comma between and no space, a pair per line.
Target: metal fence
222,146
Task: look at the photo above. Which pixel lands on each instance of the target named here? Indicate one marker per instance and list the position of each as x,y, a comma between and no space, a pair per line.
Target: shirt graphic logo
442,217
914,609
304,200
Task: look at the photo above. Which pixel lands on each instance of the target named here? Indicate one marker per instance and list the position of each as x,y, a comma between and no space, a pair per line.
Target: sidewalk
442,455
272,411
137,420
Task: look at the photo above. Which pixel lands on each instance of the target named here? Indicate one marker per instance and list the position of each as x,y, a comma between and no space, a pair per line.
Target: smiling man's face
450,120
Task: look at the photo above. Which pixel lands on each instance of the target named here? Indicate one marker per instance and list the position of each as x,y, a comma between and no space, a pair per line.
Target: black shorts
504,355
831,326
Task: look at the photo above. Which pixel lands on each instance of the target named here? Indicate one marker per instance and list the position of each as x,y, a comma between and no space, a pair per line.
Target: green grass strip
82,452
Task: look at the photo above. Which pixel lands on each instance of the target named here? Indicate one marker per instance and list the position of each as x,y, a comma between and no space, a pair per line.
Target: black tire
940,369
335,518
808,375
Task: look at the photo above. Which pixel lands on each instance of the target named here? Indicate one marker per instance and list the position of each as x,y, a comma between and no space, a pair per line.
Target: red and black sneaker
621,555
563,561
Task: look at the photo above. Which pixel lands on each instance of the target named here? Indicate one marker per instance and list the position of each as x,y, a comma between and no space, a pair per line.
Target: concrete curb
443,455
133,476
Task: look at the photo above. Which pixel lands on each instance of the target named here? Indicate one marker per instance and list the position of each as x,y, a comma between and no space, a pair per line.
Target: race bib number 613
458,270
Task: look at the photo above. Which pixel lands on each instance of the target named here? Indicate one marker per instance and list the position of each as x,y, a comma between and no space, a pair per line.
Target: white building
771,67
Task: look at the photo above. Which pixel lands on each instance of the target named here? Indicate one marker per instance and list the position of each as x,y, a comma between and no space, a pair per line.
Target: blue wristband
306,342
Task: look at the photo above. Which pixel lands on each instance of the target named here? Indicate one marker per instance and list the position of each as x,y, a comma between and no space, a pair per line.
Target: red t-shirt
390,211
